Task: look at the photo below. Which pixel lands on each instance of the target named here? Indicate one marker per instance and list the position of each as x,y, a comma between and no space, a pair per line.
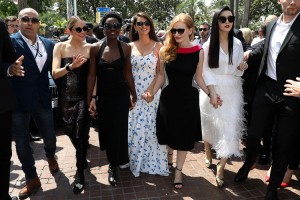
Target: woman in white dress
222,117
145,154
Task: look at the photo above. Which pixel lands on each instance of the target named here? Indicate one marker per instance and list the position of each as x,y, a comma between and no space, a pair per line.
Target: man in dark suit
7,103
33,97
280,61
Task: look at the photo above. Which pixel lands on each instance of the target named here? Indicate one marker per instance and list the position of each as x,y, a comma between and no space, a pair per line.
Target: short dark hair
205,23
111,14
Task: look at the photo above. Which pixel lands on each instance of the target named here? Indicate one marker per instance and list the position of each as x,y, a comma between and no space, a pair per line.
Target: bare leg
208,156
220,172
287,177
181,155
170,158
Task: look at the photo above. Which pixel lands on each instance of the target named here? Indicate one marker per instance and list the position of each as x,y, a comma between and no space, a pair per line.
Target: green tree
8,8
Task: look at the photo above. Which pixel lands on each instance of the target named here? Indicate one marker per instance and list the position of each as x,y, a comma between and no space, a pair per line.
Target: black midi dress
178,116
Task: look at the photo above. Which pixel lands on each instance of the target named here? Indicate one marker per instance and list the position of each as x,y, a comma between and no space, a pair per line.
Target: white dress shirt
278,35
38,51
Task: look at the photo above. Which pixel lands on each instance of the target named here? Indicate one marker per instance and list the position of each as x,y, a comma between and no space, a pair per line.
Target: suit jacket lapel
48,50
293,28
26,51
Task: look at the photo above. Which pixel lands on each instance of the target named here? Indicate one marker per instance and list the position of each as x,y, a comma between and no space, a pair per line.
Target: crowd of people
154,92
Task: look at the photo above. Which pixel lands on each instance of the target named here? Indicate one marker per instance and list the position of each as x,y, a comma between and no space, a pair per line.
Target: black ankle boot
112,175
79,182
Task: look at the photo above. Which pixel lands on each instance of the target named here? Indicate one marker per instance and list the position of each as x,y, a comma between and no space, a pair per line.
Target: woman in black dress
178,117
110,63
70,68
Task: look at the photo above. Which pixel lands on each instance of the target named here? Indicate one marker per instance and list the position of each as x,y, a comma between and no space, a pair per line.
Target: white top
278,35
256,40
38,51
226,69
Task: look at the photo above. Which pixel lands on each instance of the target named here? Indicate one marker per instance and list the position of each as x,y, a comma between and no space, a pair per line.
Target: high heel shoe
78,183
177,185
220,181
207,162
112,174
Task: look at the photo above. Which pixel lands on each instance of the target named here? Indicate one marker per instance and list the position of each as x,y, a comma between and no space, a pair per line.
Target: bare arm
128,74
160,77
199,70
91,79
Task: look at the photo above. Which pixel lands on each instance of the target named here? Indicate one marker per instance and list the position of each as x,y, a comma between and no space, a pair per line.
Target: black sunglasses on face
223,19
145,23
180,31
79,29
202,29
33,20
116,26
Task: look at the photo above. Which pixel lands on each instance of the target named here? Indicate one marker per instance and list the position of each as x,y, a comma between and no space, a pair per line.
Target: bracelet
94,97
67,67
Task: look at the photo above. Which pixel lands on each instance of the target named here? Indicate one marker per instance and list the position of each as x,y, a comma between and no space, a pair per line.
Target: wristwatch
68,68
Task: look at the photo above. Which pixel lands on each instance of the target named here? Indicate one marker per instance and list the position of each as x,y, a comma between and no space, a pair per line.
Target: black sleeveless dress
72,100
113,107
178,115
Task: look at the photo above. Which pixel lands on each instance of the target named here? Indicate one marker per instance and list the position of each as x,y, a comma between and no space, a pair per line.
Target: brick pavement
198,181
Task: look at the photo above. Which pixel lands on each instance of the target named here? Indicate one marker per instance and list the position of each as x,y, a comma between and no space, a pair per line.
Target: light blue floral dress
145,154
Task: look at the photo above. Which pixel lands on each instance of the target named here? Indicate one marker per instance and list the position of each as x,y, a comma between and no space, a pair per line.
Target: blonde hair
171,46
72,21
247,34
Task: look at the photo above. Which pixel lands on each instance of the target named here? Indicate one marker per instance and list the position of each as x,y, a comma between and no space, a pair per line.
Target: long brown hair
171,46
135,35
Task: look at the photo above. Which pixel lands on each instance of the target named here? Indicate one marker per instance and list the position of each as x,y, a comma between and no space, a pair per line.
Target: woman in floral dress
145,154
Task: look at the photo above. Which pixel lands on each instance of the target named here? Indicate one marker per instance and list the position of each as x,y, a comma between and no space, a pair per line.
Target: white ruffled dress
223,127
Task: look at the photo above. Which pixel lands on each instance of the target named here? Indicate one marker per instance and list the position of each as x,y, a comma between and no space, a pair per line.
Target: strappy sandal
178,185
220,181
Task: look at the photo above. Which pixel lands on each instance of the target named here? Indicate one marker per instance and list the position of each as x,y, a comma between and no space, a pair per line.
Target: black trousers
269,105
5,154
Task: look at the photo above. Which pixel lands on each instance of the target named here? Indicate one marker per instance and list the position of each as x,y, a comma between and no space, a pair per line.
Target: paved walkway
199,182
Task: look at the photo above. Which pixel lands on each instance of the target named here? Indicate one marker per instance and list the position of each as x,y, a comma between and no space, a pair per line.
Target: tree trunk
35,5
236,13
22,4
232,4
245,22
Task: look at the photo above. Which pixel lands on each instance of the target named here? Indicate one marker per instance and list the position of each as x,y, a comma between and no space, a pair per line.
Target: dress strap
154,47
121,50
100,52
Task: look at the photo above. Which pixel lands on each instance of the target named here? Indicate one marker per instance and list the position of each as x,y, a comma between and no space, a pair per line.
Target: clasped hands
147,96
215,100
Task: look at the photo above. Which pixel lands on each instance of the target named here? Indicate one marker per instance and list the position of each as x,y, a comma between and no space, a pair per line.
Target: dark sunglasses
223,19
33,20
112,26
180,31
145,23
79,29
203,29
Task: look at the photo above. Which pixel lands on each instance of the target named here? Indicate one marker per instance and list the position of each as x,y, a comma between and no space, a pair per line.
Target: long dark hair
135,35
214,45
